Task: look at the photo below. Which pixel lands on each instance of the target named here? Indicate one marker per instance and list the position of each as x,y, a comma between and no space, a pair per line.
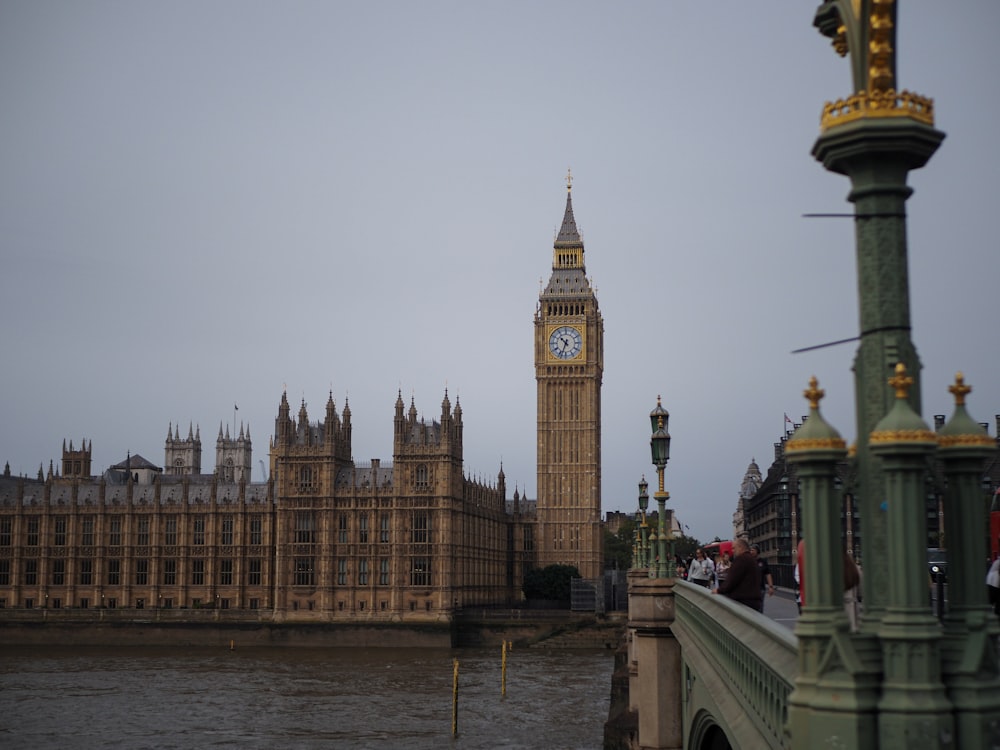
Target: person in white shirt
702,569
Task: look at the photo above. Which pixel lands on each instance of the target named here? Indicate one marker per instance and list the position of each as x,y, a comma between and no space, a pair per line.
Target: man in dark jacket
742,583
766,580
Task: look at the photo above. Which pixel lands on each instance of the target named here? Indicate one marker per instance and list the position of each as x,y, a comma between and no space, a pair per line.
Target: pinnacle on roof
568,233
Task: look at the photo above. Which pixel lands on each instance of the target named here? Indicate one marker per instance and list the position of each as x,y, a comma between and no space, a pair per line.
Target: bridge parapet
738,670
707,672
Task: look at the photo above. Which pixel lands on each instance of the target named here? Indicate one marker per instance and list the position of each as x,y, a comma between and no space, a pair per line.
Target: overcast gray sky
204,202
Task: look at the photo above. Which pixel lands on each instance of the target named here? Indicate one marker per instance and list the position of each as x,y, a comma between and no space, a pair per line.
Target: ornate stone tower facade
569,369
76,463
752,481
182,457
233,456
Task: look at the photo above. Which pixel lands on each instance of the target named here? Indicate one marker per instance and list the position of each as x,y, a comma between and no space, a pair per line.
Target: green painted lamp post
969,665
643,526
636,563
904,680
659,445
913,708
875,136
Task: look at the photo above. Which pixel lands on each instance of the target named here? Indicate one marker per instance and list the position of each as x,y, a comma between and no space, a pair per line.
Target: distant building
772,514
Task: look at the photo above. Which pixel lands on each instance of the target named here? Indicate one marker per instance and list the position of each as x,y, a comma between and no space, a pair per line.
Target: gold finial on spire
813,393
960,389
901,381
881,55
569,179
840,41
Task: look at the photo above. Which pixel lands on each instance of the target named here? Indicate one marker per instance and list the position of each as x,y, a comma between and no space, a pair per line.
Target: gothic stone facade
324,539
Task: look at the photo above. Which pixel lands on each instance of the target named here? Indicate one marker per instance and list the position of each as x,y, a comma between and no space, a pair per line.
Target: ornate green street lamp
643,529
659,445
636,564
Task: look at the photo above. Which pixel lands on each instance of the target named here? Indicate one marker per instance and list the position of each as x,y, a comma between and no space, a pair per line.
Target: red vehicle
714,549
995,526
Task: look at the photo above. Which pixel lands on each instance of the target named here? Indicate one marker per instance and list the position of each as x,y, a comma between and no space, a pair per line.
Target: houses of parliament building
326,538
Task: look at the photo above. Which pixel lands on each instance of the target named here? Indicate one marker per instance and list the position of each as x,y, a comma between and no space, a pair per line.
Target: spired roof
815,435
568,233
569,272
962,432
902,425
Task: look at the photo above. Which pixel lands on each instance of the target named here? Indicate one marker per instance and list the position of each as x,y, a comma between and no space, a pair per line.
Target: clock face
565,342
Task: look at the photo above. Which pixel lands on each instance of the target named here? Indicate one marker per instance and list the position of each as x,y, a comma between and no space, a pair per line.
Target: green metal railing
739,668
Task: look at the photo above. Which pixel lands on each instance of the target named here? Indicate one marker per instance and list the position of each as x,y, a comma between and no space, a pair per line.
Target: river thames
260,697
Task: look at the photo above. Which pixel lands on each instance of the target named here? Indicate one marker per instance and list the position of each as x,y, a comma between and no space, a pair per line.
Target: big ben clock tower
569,367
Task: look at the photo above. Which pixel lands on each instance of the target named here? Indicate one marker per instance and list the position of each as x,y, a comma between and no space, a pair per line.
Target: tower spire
568,233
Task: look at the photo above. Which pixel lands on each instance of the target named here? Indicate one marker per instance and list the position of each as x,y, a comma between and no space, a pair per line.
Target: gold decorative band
815,444
903,436
878,104
966,441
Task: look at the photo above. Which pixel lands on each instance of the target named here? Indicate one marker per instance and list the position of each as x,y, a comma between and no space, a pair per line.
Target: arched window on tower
305,478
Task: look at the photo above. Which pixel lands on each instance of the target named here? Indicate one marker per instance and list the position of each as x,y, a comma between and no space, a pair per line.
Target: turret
76,463
399,421
345,430
182,457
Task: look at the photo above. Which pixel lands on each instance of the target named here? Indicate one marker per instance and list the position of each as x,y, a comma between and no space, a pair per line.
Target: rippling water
59,697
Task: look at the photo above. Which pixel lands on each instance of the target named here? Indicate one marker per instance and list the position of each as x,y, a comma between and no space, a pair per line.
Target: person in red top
742,583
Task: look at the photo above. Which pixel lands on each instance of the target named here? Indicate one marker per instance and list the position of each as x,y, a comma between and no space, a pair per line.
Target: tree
618,547
551,582
684,546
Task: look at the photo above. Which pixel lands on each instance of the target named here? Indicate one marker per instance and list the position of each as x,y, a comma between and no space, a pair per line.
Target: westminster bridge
706,673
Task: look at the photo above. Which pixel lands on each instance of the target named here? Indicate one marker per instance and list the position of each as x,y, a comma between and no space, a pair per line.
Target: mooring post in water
232,645
454,702
507,645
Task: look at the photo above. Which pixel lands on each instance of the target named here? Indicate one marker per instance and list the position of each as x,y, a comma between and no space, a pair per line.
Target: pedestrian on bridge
742,583
993,585
766,579
701,570
722,563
